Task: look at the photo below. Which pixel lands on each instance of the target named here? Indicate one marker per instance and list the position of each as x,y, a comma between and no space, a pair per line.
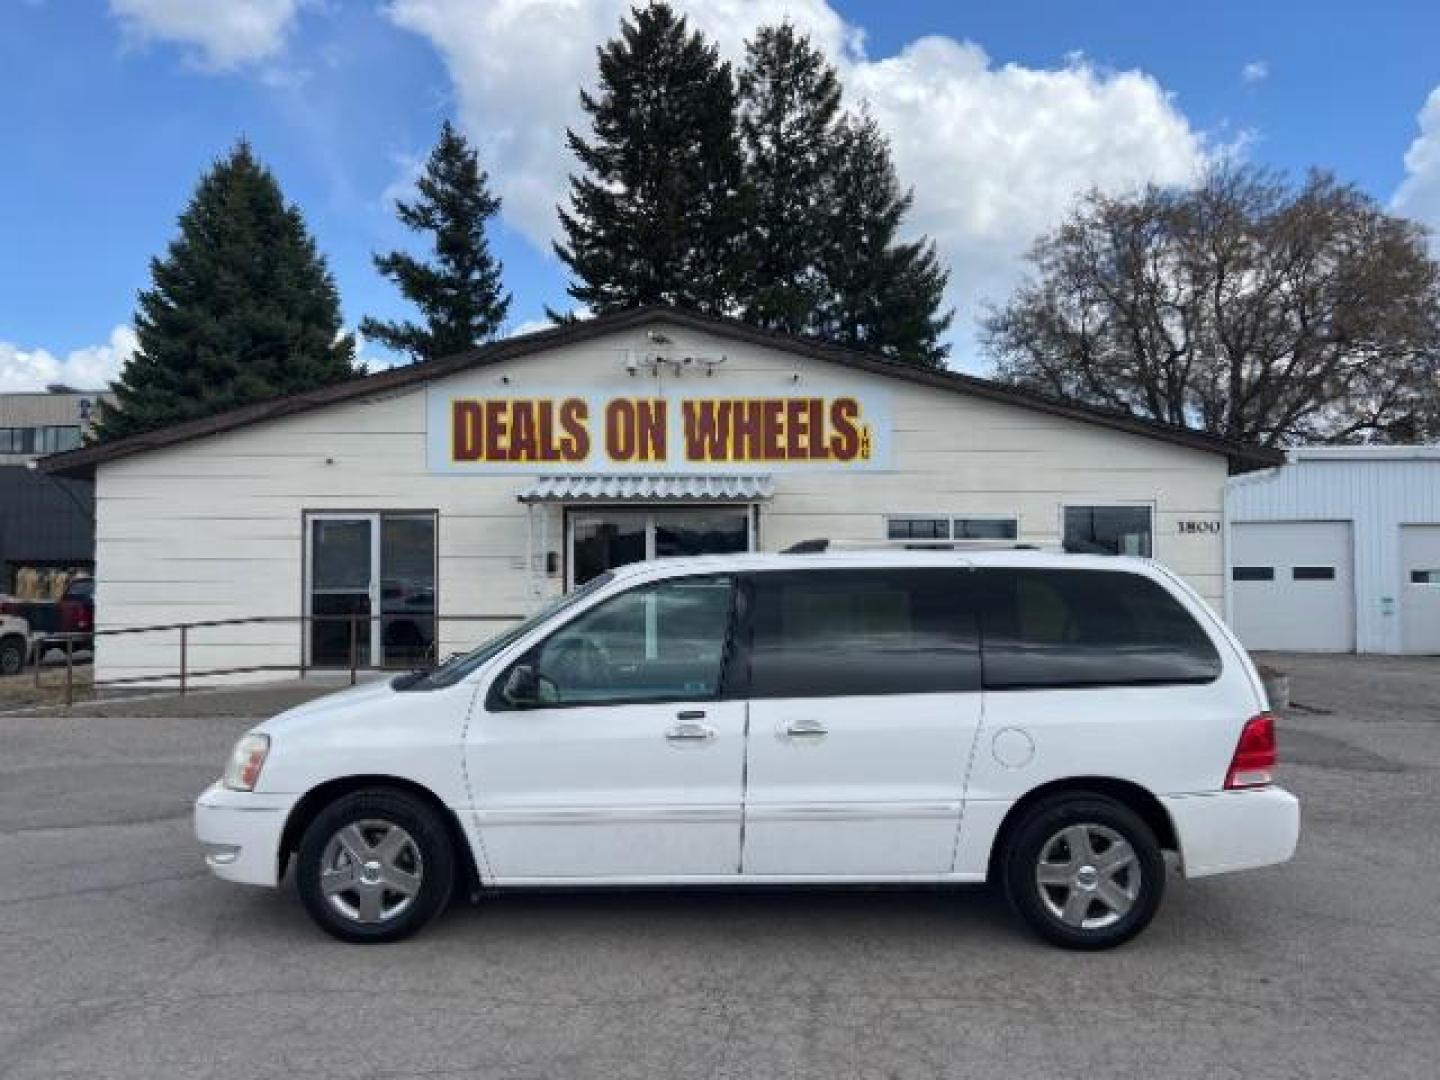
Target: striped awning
654,488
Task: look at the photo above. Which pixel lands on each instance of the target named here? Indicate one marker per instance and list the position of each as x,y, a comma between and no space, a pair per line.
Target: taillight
1254,762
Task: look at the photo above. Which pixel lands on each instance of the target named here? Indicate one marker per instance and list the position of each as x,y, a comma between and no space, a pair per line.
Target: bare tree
1246,306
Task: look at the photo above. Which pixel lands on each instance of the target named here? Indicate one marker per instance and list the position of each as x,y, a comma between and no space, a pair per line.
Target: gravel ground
122,957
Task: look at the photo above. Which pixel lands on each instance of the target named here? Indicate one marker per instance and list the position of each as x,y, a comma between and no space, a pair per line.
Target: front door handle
806,729
689,731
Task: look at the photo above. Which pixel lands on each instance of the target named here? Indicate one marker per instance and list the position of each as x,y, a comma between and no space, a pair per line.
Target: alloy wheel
1089,876
371,871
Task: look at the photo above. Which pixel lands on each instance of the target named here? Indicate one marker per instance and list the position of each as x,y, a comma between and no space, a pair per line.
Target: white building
479,484
1338,551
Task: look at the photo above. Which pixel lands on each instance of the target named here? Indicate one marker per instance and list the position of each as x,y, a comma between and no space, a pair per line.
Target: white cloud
1255,71
1419,193
90,368
223,35
995,152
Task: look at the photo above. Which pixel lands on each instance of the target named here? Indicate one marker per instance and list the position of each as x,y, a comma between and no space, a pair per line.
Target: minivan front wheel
375,866
1084,871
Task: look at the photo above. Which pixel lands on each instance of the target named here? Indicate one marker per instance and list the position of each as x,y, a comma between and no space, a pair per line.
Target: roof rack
822,544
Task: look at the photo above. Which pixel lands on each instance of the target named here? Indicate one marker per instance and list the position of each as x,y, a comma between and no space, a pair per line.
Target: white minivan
1052,724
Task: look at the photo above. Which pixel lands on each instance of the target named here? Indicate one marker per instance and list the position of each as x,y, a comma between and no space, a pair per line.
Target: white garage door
1291,585
1420,588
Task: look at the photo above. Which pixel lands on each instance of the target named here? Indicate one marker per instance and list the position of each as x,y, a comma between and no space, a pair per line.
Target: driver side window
660,642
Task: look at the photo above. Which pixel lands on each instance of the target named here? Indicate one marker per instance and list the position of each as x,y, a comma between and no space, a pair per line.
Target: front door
1420,588
864,703
604,538
344,573
371,589
631,764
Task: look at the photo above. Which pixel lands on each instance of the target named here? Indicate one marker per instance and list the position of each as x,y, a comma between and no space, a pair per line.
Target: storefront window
1108,530
601,540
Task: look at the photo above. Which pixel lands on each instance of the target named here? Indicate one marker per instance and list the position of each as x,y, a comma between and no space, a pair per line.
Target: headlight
243,768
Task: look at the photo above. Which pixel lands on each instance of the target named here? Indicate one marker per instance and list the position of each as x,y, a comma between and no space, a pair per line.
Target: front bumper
240,832
1234,830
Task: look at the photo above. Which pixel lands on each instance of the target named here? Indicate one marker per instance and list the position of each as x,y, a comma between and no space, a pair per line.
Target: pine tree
882,295
241,308
656,217
789,114
460,294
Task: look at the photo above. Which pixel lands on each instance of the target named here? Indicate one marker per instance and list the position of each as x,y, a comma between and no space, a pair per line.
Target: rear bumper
1234,830
240,832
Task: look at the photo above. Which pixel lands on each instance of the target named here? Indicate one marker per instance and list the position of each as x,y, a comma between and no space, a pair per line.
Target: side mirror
522,686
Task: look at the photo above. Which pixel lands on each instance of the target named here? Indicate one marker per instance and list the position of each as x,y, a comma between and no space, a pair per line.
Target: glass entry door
600,539
343,574
371,576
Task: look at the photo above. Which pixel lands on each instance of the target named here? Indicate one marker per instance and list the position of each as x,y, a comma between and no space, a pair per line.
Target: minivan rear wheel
375,865
1085,871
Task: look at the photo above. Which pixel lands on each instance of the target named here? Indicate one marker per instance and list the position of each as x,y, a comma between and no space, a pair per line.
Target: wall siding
1376,494
213,528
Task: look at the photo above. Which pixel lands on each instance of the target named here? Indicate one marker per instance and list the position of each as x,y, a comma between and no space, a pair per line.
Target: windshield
458,667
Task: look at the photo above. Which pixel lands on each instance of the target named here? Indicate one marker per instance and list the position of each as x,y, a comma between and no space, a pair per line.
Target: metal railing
365,634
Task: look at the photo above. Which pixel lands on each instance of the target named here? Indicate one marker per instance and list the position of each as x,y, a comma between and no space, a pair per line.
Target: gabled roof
82,462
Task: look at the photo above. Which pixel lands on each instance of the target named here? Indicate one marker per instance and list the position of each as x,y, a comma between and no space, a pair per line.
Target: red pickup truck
53,622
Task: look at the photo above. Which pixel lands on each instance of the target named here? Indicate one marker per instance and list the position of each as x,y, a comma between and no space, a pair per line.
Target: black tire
1041,833
12,656
429,853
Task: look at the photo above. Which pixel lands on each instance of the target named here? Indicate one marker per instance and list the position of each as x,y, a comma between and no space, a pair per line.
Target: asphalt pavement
122,957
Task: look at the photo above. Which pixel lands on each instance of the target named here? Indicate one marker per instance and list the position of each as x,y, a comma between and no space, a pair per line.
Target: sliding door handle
806,729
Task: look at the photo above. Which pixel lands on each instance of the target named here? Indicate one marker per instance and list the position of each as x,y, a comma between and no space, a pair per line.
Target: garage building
1338,551
418,509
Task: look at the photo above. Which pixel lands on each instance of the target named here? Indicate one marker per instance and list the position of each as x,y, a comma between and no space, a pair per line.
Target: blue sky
999,114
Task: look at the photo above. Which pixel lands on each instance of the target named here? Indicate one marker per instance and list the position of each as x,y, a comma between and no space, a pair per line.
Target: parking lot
122,957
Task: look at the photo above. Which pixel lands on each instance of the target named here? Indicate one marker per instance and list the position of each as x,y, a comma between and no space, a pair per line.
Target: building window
917,528
39,440
939,528
986,528
17,440
1313,573
1252,573
1425,577
57,438
1109,530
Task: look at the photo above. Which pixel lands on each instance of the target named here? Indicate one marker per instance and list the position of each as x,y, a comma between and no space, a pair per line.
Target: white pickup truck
14,644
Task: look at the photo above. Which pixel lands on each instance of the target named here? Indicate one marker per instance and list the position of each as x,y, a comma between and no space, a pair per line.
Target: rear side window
1083,628
824,633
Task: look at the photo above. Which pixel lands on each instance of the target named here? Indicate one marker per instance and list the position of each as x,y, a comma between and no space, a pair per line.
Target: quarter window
660,642
1109,530
862,632
1083,628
